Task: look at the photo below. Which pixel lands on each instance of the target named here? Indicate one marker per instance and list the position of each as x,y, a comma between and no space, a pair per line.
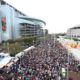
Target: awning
4,54
33,20
26,50
5,61
75,53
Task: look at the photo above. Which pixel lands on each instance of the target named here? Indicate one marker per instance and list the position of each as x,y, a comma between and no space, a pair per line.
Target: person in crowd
43,63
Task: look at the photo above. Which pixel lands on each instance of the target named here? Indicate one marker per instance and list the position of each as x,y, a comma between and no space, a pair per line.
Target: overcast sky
59,15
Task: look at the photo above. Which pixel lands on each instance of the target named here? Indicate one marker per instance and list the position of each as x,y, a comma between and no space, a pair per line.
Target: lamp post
8,46
68,66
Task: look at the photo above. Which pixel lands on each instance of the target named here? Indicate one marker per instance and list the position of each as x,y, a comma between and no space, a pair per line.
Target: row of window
3,3
74,35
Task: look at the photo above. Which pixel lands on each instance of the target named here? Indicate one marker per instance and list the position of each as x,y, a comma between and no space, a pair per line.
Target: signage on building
3,21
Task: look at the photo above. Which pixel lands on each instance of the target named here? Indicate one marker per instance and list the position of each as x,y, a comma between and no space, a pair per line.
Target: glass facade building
15,24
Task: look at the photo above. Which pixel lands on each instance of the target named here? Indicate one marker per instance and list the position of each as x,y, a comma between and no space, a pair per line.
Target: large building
15,24
74,32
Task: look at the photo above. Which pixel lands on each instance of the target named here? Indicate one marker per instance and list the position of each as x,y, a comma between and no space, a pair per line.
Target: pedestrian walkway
76,53
74,75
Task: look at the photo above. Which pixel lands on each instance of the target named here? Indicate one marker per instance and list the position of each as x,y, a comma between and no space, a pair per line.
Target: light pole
54,39
8,46
68,65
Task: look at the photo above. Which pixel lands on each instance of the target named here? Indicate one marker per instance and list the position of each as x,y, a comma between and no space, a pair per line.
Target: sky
59,15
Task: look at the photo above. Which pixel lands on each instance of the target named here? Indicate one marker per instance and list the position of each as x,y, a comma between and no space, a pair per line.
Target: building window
3,3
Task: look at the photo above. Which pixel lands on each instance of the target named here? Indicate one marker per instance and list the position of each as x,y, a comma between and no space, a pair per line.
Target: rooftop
76,27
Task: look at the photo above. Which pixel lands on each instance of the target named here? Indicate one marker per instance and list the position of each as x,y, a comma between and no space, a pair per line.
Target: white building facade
11,21
73,32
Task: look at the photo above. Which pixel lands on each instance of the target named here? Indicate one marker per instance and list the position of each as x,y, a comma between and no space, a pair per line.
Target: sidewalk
74,75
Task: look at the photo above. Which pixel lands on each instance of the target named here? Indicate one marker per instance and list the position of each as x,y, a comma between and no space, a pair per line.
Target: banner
3,21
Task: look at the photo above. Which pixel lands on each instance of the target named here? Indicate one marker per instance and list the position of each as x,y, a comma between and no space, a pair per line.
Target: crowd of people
73,64
74,68
48,61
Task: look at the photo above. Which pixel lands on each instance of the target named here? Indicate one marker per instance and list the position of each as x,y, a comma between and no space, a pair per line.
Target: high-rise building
15,24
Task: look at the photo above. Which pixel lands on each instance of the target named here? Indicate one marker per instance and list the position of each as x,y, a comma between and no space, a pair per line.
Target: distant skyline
59,15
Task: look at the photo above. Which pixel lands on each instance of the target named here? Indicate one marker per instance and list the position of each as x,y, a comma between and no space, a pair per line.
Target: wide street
47,61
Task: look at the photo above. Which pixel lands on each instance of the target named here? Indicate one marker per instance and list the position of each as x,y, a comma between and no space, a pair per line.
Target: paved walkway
74,75
75,53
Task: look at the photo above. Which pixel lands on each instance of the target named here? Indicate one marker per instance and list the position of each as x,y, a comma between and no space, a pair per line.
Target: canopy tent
12,61
5,61
76,53
72,46
68,43
78,46
26,50
4,54
9,64
19,54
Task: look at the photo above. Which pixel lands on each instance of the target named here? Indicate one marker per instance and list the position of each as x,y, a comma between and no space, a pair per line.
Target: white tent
4,54
5,61
26,50
19,54
75,53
